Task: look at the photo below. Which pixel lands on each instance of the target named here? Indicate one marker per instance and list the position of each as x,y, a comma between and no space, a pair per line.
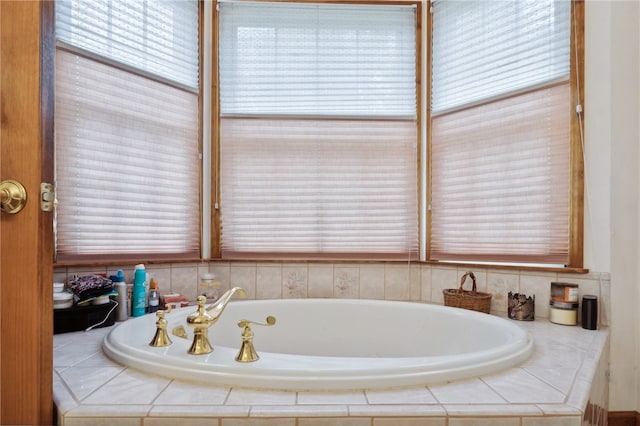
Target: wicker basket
461,298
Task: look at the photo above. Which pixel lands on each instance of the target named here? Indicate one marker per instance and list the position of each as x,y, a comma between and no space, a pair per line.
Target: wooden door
26,238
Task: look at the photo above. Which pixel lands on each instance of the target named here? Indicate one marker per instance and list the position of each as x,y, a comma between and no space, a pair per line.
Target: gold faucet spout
201,320
215,309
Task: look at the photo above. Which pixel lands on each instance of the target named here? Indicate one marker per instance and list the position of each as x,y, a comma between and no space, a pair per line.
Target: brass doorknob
13,196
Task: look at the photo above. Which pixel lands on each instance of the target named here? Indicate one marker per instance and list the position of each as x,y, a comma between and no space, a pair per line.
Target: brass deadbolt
13,196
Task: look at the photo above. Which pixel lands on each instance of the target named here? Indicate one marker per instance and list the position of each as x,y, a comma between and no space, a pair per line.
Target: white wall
597,102
635,140
635,283
612,60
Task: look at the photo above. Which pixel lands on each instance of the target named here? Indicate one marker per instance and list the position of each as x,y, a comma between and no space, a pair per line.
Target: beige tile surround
563,383
383,281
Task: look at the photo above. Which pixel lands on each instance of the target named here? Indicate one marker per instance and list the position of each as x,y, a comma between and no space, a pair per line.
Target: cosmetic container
154,296
139,299
565,313
122,313
589,312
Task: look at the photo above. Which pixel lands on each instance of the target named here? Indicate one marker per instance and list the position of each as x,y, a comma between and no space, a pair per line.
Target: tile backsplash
386,281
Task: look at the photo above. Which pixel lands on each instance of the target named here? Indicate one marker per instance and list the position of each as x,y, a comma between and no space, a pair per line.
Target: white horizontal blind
500,192
155,37
317,60
127,155
486,49
500,160
335,186
318,130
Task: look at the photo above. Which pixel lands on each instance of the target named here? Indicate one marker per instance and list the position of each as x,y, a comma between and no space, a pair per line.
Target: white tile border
414,402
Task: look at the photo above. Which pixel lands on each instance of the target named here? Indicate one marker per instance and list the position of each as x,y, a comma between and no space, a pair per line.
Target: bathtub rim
340,373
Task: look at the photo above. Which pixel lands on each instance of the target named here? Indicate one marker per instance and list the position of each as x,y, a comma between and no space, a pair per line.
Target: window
127,130
501,165
318,130
318,134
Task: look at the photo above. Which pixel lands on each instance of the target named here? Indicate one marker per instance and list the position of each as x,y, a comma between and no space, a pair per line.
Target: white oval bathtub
330,344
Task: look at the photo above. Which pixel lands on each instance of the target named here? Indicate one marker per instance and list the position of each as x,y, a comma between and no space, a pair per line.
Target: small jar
565,313
62,300
209,286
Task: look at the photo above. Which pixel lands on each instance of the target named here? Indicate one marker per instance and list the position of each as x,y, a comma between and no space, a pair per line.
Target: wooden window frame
124,259
576,185
216,216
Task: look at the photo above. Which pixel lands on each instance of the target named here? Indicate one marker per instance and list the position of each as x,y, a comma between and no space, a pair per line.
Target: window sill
125,262
518,267
469,265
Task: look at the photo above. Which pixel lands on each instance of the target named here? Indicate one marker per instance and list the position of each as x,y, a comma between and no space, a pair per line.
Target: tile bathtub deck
553,384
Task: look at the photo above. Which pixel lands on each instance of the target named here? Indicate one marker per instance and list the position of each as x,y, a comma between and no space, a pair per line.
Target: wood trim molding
624,418
576,209
26,263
